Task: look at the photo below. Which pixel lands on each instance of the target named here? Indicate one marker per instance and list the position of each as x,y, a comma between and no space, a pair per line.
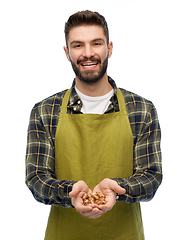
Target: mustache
92,59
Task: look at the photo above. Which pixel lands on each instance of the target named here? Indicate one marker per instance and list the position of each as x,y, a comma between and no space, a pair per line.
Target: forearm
139,187
49,190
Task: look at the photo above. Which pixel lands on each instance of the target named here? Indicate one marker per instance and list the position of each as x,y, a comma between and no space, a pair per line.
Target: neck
96,89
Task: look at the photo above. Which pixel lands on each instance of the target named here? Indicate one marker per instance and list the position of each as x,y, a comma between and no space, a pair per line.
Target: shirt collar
75,102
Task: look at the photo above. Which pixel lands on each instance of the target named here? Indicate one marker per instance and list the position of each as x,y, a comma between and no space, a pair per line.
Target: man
94,137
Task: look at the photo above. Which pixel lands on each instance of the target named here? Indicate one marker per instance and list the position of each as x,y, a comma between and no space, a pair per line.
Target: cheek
104,54
73,56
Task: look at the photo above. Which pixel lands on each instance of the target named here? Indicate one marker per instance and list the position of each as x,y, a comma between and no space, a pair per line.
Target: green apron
91,147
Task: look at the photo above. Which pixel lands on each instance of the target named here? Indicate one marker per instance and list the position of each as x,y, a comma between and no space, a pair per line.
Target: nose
88,51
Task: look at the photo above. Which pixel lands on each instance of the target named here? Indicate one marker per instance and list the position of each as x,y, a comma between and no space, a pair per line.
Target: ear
67,53
110,49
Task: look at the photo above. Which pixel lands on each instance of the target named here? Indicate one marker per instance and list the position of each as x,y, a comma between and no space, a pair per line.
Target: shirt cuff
121,183
62,197
67,188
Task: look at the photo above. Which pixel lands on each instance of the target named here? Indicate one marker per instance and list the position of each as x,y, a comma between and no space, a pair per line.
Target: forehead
86,33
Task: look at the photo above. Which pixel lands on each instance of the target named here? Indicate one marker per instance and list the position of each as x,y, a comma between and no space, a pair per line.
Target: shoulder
47,110
141,113
135,102
53,100
140,110
50,104
45,115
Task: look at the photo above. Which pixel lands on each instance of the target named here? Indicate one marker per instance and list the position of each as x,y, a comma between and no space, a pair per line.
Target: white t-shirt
95,105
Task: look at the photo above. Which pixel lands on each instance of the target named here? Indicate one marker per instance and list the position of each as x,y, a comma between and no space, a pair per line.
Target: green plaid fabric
147,166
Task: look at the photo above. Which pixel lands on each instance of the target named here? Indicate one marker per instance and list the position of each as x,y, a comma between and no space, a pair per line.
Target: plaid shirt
147,167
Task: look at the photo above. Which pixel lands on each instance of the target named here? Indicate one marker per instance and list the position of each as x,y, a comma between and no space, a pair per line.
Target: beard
88,76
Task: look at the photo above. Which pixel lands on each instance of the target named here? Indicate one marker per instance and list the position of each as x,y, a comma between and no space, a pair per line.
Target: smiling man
88,52
92,138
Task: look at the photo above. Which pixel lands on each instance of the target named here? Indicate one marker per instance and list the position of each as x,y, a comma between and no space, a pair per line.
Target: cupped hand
78,190
109,188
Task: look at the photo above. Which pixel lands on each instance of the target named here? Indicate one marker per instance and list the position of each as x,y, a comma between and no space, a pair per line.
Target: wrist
68,186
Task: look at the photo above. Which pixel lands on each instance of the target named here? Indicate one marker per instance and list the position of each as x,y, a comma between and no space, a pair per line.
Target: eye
97,44
77,46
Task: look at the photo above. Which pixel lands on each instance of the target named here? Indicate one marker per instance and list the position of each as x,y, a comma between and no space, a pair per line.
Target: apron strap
65,101
121,101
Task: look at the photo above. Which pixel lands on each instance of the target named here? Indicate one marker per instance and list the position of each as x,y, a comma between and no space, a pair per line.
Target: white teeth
89,64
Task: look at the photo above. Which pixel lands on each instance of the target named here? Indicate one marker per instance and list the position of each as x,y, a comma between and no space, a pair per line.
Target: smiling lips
89,65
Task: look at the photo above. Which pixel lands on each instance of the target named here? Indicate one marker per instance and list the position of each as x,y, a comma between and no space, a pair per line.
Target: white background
147,60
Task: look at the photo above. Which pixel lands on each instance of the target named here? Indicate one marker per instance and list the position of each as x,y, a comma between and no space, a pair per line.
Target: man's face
88,52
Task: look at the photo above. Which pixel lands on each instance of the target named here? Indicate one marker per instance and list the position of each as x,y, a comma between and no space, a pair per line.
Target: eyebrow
98,39
94,40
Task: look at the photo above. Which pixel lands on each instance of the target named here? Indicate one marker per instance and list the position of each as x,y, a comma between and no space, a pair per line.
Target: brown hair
86,17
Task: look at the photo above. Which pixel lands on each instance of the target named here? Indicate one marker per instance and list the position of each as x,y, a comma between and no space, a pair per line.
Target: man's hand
109,188
78,190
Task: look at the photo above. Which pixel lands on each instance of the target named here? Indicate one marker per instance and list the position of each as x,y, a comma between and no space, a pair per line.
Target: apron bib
91,147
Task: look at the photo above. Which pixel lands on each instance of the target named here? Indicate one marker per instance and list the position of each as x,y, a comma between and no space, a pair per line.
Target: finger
105,208
89,192
75,191
77,187
98,215
94,205
93,214
118,189
83,209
